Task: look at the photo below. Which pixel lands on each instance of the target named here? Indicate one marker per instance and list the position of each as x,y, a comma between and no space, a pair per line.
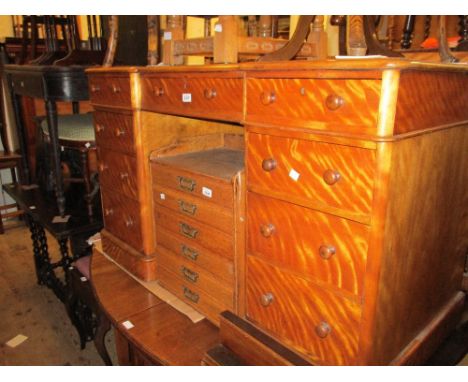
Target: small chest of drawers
198,209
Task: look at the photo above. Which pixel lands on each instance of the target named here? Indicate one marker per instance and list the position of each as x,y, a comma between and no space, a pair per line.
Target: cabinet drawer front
110,91
114,131
206,212
203,187
218,265
118,172
122,217
194,232
315,244
207,97
193,275
191,295
317,323
338,105
312,173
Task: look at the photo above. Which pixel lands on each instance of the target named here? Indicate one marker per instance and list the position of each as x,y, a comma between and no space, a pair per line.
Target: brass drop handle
267,299
123,175
209,93
128,222
186,184
115,88
108,211
327,251
188,231
269,164
158,92
331,177
268,98
192,296
99,128
103,166
187,208
334,102
267,230
95,88
188,274
323,329
188,252
119,132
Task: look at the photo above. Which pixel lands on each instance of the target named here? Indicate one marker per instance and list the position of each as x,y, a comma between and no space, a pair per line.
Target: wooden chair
228,46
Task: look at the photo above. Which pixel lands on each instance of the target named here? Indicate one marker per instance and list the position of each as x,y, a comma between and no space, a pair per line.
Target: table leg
25,177
51,109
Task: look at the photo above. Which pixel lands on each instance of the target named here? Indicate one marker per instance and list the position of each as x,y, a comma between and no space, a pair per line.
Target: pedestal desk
356,206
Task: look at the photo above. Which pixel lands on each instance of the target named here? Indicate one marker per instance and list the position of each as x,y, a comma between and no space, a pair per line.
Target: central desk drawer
315,174
312,320
114,131
110,90
122,217
118,172
194,232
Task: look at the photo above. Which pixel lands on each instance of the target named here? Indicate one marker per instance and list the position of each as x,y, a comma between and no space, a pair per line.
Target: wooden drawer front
315,244
196,208
110,90
303,168
315,322
122,217
207,97
114,131
341,105
191,295
204,187
218,265
27,84
193,275
118,172
194,232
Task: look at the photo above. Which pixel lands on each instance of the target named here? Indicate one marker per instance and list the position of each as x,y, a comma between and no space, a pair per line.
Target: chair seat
73,127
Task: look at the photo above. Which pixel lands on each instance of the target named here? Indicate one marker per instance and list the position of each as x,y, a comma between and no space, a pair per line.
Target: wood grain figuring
208,97
311,231
350,196
194,275
303,103
114,131
197,208
194,232
427,100
426,229
142,266
110,90
117,172
122,217
221,266
297,309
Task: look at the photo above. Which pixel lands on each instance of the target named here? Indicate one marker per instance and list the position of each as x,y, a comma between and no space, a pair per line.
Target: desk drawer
318,245
196,276
313,321
122,217
110,90
194,207
205,97
334,104
194,232
29,85
189,183
118,172
312,173
114,131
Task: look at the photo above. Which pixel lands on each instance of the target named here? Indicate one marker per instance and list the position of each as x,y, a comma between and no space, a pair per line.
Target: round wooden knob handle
123,175
331,177
95,88
269,164
115,88
158,92
323,329
119,132
334,102
267,298
267,229
103,166
99,128
108,211
326,251
209,93
128,222
268,98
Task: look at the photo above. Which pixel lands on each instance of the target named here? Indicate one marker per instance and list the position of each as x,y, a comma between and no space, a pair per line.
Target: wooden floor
34,311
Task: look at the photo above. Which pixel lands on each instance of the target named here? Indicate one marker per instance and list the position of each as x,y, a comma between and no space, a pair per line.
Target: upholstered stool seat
73,127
